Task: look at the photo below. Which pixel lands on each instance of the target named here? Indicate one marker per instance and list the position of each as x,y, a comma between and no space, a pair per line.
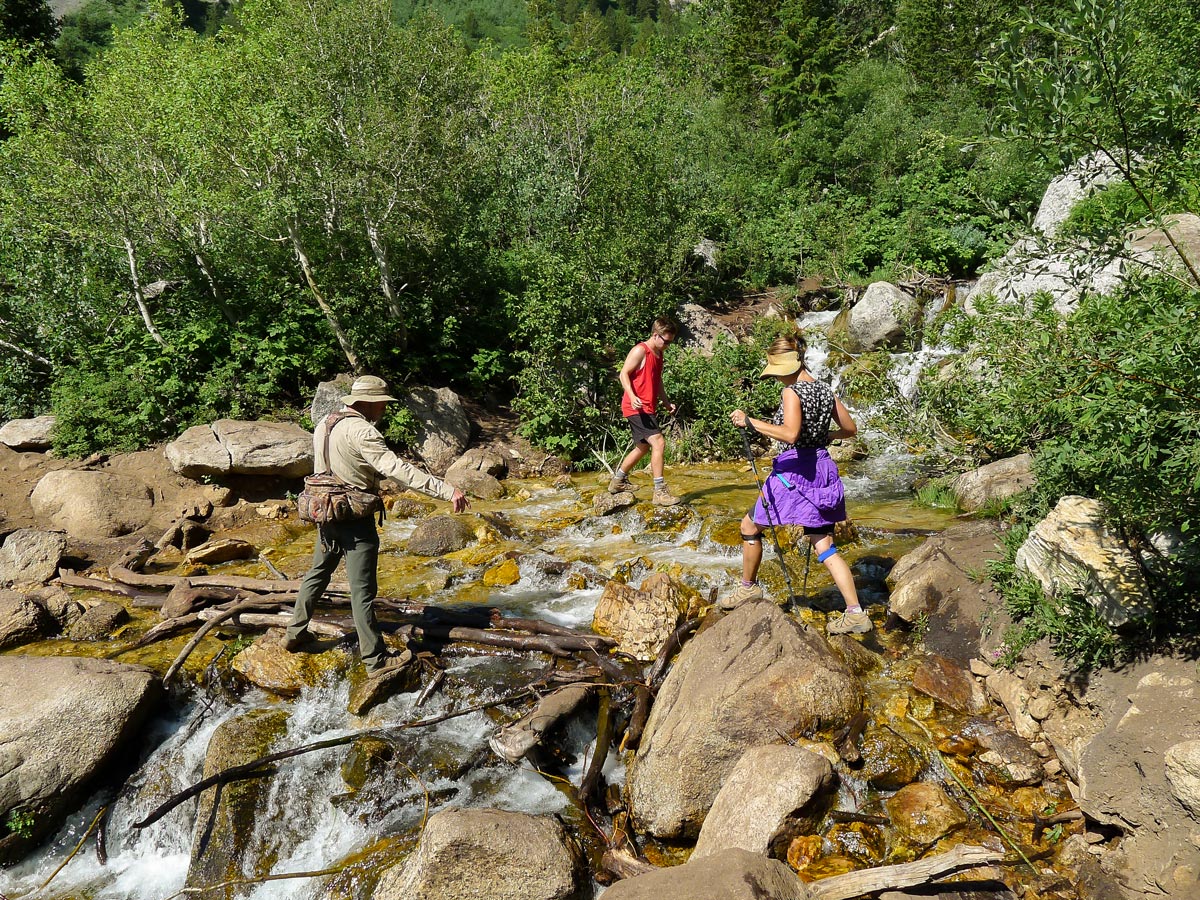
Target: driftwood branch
67,578
624,864
241,606
868,881
255,768
604,728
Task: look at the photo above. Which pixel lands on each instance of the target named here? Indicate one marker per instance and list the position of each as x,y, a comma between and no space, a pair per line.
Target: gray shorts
643,425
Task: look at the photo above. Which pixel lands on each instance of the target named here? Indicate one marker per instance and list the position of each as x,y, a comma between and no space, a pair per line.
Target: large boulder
92,505
1153,248
443,429
1034,265
1079,182
1030,268
28,434
22,620
937,582
30,556
699,329
996,481
99,622
63,721
922,813
229,447
481,459
267,664
328,397
1073,550
753,676
224,835
883,319
950,683
1135,775
771,796
729,875
639,620
488,853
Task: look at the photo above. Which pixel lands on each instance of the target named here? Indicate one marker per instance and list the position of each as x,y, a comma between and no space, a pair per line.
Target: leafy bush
1107,401
708,389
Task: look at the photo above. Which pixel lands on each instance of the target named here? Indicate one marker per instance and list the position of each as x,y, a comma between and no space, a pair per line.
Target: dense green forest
204,219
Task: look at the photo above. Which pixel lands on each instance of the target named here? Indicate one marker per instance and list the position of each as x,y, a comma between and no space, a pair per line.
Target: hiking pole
747,429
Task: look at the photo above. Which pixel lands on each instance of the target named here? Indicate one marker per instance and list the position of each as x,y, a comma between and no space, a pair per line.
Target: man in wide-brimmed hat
359,457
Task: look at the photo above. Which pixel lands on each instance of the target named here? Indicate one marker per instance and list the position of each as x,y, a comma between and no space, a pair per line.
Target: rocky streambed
532,770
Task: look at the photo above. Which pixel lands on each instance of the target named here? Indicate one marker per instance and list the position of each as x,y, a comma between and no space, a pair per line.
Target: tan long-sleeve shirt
359,457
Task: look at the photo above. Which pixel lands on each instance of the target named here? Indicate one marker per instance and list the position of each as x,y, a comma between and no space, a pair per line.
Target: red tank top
646,383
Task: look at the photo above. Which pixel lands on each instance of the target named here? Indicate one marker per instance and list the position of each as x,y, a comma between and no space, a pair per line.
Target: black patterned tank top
816,411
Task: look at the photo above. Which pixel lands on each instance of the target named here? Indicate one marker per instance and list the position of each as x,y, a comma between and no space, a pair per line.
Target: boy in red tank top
641,379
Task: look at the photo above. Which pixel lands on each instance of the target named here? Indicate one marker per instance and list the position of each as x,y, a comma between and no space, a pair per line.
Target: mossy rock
367,758
227,815
503,574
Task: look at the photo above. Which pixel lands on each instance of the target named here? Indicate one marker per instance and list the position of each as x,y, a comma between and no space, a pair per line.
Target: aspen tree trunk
139,297
385,282
343,339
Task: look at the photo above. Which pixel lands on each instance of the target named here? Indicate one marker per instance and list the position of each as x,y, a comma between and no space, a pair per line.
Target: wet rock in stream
63,721
754,676
488,853
227,815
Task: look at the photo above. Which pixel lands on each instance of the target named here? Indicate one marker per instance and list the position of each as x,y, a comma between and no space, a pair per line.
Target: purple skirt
804,488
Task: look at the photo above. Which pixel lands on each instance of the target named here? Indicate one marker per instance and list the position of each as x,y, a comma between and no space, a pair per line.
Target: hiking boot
743,594
620,485
663,497
300,643
850,623
390,662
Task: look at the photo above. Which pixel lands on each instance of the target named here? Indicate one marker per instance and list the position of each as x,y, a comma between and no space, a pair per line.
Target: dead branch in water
229,613
256,768
604,728
869,881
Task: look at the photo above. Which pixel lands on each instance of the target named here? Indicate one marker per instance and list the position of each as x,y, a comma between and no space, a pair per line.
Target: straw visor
782,364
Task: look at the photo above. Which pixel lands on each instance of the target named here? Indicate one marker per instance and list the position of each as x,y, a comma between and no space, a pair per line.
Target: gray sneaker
849,623
620,485
743,594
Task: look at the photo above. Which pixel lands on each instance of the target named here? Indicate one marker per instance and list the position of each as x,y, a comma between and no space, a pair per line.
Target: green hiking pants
358,542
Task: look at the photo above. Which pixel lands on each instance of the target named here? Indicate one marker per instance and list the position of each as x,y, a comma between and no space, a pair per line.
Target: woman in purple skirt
804,487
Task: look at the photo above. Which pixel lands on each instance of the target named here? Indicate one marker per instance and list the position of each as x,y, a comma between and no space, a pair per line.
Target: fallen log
560,646
670,647
514,740
67,578
540,626
240,582
644,693
624,864
846,740
870,881
637,719
323,627
184,598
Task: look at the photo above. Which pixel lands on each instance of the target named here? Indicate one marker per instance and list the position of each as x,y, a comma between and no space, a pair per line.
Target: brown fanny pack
326,498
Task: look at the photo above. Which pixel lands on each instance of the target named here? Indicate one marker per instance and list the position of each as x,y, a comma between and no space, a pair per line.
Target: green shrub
708,389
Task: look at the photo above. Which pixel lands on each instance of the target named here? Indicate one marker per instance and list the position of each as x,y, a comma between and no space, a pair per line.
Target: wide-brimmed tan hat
368,389
782,364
